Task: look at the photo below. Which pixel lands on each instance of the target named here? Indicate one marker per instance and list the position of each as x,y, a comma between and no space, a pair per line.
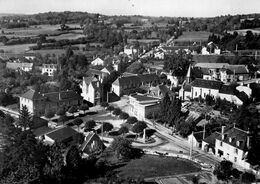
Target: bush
84,107
131,120
60,112
104,104
63,118
49,114
117,111
247,177
123,130
123,115
72,109
110,108
107,127
223,170
77,121
89,125
139,127
236,173
113,133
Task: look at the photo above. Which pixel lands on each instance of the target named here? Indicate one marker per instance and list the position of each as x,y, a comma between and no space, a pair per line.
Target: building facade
49,69
91,90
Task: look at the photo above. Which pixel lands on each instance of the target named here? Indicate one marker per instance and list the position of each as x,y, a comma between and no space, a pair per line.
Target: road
182,144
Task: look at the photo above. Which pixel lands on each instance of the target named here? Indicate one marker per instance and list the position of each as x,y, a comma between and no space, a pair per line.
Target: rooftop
143,98
211,65
210,84
62,134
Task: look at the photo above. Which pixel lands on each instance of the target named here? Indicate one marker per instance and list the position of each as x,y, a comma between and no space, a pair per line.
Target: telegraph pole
191,145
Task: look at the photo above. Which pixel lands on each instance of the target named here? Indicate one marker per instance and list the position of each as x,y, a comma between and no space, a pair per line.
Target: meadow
193,36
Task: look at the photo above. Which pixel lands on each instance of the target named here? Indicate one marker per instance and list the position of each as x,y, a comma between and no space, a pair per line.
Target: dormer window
238,143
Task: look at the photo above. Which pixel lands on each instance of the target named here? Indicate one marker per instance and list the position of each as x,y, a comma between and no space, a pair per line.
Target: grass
193,36
19,48
69,36
155,166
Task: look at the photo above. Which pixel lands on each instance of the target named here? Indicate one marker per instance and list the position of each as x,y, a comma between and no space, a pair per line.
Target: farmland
16,48
193,36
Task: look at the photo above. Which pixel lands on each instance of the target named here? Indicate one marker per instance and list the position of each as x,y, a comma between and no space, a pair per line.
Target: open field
35,30
155,166
68,36
16,48
193,36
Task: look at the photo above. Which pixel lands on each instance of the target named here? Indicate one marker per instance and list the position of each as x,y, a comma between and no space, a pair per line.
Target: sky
174,8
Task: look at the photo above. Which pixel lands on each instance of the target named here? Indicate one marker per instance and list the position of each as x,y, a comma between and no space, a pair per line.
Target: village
193,103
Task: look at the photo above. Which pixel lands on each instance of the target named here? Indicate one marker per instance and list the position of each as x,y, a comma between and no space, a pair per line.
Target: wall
116,89
196,92
230,98
28,103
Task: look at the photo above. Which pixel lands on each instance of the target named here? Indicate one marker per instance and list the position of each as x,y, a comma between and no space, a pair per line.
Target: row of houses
230,144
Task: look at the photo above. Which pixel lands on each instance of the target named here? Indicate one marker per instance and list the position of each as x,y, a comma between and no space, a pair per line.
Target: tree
63,119
104,104
136,68
123,115
89,125
61,112
247,177
223,170
123,130
131,120
117,111
73,158
49,114
25,120
107,127
72,109
84,107
122,147
77,122
110,108
139,127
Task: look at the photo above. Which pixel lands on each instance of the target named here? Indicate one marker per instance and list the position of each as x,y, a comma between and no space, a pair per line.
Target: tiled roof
127,80
211,139
60,96
62,134
211,65
238,69
210,84
142,98
198,136
148,77
235,134
88,80
32,95
187,87
41,131
228,89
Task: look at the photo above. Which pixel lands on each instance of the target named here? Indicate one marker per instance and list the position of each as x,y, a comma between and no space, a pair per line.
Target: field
193,36
155,166
16,48
69,36
34,30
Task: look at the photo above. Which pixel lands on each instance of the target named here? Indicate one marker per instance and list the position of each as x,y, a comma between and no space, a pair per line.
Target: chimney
222,132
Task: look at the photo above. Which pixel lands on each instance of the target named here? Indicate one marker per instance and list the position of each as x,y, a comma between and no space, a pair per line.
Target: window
236,151
235,159
196,93
221,143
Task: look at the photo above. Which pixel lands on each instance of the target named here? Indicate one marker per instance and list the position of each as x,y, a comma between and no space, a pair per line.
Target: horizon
152,8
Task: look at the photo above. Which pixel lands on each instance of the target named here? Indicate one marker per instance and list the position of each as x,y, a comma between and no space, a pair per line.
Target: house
229,93
233,144
129,50
195,139
26,67
223,72
208,144
91,144
63,135
202,88
211,48
99,74
107,70
141,105
158,91
159,55
91,89
128,83
98,61
49,69
37,102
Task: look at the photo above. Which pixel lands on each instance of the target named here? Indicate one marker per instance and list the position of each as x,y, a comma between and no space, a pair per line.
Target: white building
159,55
130,50
91,89
26,67
141,105
98,61
49,69
211,48
233,145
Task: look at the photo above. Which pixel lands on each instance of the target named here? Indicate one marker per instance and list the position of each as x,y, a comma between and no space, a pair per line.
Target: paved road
182,144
